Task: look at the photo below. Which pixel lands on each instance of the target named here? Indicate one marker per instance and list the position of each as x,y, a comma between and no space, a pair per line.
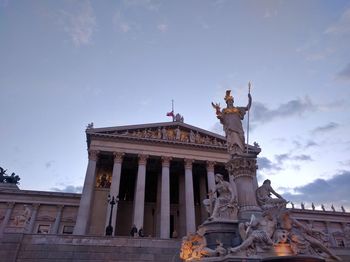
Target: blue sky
64,64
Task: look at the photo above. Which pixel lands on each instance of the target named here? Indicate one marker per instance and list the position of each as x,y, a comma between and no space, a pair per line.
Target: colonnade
139,199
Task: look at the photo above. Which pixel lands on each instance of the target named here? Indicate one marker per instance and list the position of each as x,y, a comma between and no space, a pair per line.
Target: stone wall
35,247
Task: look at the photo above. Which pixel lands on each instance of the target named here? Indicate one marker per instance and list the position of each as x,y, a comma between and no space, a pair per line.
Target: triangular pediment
166,132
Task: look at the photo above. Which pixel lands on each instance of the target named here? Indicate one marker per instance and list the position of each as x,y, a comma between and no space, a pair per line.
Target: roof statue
231,118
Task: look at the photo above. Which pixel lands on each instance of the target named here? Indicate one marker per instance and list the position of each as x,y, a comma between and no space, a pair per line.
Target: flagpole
248,119
172,108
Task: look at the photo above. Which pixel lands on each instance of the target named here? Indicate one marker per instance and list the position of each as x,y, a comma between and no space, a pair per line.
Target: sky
64,64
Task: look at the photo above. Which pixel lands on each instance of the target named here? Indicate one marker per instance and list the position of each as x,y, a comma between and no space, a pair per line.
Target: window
68,230
43,229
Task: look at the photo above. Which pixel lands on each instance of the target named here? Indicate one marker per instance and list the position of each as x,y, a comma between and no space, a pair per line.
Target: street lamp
112,201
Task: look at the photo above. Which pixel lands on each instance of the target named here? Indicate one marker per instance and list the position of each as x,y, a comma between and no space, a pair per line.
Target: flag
170,114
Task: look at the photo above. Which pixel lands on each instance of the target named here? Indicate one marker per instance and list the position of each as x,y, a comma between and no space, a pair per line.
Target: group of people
134,232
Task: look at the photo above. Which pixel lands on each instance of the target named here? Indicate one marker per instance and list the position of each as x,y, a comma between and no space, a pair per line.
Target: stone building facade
159,173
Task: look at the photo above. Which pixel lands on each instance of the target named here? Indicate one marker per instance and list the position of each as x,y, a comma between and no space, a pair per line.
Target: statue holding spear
231,118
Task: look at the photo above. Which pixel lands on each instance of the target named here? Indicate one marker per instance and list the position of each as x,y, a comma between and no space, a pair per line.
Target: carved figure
302,205
303,239
323,208
343,209
264,199
333,209
164,133
159,133
90,125
2,175
313,206
231,118
224,206
292,205
192,137
258,232
194,246
24,218
177,133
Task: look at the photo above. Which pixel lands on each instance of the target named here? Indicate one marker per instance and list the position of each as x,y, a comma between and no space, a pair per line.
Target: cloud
162,28
262,114
342,26
325,128
344,74
80,24
266,164
68,189
327,191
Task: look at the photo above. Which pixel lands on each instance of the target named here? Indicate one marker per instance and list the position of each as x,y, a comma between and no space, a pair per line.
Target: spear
249,85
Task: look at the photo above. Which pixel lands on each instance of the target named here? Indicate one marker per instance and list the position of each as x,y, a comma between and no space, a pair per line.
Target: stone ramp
52,248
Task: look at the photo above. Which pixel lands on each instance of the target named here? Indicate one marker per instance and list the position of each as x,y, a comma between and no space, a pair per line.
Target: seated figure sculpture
264,199
224,206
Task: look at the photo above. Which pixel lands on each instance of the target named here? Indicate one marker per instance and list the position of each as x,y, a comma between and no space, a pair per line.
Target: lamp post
112,201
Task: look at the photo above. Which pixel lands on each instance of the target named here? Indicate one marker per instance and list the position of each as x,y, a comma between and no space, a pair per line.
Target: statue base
224,231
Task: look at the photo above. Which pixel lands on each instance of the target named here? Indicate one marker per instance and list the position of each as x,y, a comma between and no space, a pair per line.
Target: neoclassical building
159,174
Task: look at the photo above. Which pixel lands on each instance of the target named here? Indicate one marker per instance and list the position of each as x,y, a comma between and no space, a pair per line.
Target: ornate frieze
173,133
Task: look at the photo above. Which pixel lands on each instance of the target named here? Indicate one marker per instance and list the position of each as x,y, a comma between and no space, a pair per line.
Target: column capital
93,154
118,157
10,205
166,161
142,159
210,166
188,163
60,207
35,206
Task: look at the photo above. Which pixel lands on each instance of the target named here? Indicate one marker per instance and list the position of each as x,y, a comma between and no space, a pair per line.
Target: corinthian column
139,201
165,199
114,190
86,197
190,215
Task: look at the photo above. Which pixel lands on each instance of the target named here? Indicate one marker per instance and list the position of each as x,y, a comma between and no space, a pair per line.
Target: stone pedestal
243,170
226,232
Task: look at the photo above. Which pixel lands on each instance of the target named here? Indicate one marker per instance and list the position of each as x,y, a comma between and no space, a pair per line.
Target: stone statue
343,209
2,175
231,118
90,125
292,205
258,232
177,133
164,133
224,206
302,238
313,206
12,179
264,199
323,208
333,209
192,137
302,205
